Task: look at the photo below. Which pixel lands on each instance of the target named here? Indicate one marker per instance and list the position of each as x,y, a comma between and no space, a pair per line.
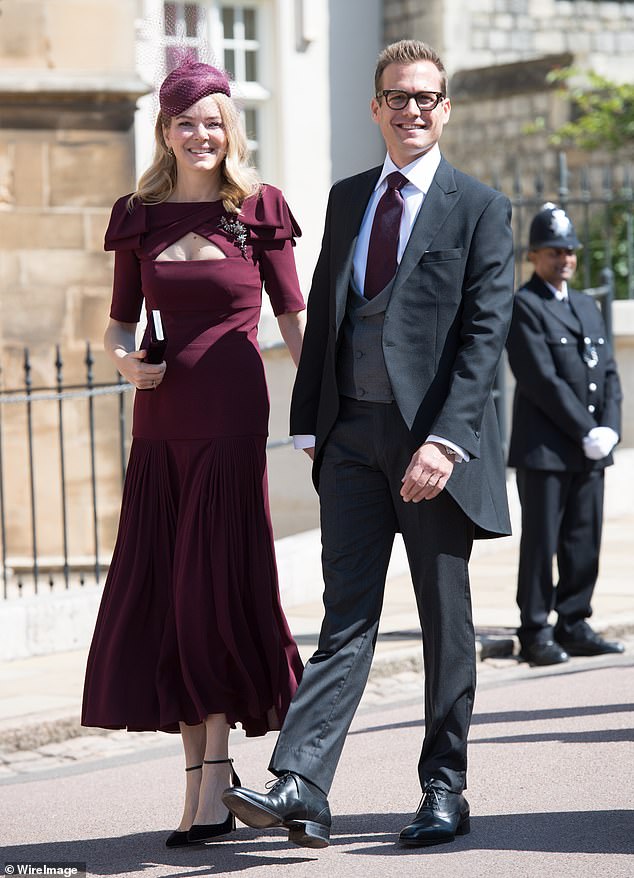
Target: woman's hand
144,376
119,345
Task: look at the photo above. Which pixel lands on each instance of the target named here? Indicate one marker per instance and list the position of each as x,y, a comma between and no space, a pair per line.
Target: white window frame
209,41
248,94
180,39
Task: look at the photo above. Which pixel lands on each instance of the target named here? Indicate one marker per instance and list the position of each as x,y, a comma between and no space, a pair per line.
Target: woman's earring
170,151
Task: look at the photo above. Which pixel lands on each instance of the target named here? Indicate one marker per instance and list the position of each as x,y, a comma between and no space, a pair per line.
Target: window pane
175,55
228,22
249,24
169,15
251,64
230,62
251,124
191,19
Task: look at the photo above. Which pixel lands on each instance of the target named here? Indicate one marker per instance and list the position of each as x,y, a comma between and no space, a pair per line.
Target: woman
190,635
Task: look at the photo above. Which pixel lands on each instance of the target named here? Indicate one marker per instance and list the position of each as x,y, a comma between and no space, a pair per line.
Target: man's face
554,264
410,132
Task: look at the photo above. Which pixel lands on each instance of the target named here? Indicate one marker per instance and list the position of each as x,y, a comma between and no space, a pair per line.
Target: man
566,421
408,314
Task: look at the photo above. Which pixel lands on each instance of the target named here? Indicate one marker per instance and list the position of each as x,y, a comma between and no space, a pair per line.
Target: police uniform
566,386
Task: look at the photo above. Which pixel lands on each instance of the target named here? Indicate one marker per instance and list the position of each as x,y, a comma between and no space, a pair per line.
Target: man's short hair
408,52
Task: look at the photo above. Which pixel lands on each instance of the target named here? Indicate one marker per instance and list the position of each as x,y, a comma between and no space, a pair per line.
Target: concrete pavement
551,774
550,789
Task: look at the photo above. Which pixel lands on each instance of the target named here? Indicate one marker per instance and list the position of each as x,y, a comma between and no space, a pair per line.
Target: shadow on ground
591,832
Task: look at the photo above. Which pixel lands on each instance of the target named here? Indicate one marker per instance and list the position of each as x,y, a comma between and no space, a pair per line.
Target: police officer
566,421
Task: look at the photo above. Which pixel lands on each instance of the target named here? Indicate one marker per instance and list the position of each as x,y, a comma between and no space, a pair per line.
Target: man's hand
427,473
310,452
599,442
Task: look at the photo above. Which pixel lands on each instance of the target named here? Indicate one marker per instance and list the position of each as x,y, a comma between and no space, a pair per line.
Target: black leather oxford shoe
547,653
291,802
441,816
585,641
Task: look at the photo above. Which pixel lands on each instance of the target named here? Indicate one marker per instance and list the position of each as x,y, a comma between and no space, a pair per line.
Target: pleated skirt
190,623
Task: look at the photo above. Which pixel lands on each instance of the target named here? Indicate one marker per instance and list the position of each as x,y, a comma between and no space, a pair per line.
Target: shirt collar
420,172
561,294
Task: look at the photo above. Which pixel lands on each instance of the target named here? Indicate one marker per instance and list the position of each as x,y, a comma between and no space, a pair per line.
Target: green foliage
602,118
621,231
603,111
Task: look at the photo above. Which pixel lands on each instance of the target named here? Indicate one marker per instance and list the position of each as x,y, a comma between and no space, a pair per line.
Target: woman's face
197,136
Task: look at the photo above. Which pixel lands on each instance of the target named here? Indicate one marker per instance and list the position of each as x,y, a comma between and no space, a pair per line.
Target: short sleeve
123,235
269,218
127,226
279,275
127,294
272,232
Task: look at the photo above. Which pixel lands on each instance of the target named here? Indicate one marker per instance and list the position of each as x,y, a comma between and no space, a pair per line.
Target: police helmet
552,228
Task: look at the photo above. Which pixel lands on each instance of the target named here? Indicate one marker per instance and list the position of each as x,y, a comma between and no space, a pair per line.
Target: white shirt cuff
461,454
303,440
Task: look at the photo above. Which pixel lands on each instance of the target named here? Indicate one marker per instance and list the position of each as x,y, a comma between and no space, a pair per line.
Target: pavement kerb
39,730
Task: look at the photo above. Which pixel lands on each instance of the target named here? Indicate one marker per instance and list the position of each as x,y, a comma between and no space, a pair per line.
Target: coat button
601,340
358,354
564,340
591,409
587,340
592,386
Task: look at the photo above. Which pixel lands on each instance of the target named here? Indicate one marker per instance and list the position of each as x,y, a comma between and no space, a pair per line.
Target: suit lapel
351,214
442,197
563,314
555,309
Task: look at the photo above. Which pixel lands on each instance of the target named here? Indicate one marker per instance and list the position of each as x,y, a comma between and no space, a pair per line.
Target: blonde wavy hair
239,178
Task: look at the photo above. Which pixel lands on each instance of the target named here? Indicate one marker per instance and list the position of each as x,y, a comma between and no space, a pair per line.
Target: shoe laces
276,782
431,797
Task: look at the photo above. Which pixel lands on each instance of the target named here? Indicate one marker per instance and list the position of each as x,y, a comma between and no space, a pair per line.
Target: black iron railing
600,202
25,398
32,566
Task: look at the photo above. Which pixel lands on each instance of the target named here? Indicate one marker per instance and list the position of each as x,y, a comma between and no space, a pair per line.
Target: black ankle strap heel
207,831
178,838
235,780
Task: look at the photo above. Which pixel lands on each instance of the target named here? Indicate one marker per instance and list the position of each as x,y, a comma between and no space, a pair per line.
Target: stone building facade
68,93
498,53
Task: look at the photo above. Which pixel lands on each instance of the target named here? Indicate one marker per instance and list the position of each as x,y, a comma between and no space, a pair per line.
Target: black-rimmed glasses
398,100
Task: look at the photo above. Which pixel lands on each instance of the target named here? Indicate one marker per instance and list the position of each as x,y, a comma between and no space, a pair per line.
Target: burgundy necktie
383,247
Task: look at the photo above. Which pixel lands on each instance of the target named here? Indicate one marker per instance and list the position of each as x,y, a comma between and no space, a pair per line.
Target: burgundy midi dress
190,623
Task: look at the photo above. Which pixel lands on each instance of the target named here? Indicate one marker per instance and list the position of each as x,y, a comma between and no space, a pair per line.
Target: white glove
599,442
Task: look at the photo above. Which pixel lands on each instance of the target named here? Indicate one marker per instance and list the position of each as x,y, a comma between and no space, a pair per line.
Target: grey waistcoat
361,371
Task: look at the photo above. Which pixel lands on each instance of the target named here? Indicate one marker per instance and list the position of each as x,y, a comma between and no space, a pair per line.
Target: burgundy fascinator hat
188,83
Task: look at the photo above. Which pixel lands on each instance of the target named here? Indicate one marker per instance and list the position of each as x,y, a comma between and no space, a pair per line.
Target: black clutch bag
157,344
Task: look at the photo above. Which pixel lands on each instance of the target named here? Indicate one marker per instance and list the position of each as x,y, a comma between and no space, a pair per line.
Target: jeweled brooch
238,231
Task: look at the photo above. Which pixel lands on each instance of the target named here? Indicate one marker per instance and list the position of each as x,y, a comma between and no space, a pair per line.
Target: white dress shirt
562,294
420,174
